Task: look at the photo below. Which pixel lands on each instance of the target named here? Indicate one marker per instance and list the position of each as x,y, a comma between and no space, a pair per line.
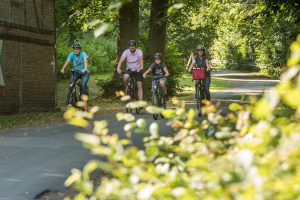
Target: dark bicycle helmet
132,43
200,47
158,56
76,45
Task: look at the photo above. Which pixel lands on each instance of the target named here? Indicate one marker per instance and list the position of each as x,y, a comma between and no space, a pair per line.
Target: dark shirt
200,63
158,70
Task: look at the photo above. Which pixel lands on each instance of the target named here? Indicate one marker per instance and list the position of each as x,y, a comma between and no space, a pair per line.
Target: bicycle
74,94
199,77
157,95
132,91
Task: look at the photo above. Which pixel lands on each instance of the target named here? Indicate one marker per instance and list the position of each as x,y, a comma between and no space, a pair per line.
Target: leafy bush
250,153
101,52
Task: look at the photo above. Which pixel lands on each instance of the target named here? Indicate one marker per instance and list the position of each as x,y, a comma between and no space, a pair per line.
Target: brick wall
28,30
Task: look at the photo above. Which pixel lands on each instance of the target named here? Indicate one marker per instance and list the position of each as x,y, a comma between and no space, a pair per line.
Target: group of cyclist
133,56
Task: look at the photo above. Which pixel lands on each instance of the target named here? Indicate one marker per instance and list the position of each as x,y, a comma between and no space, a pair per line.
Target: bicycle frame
72,96
199,95
157,90
157,95
132,91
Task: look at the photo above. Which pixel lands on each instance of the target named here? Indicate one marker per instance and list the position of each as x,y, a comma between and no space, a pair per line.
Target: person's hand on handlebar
119,71
83,71
144,75
62,71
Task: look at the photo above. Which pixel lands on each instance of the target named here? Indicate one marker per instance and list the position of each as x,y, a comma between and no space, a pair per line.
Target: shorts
154,82
138,75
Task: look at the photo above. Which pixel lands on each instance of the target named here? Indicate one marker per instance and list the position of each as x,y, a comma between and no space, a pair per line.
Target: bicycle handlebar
129,71
77,71
157,77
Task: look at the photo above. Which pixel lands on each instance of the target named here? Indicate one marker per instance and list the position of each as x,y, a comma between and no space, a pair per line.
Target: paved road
36,159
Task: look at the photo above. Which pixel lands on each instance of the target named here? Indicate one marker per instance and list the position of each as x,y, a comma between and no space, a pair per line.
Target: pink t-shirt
133,59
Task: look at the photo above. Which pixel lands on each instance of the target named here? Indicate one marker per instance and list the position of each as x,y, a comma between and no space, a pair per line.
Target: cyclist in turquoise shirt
79,60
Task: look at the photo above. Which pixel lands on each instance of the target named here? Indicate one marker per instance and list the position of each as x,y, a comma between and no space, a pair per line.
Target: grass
105,105
94,91
188,86
37,118
28,119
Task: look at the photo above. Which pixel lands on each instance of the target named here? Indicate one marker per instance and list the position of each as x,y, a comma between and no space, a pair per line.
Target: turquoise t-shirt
77,60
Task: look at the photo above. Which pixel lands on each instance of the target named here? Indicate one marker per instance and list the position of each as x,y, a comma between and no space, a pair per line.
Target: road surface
36,159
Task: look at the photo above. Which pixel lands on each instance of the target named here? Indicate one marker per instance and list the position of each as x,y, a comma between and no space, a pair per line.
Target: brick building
27,55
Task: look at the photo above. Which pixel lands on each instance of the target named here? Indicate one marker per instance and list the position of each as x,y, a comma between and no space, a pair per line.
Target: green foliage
101,52
75,17
176,67
255,34
244,34
250,153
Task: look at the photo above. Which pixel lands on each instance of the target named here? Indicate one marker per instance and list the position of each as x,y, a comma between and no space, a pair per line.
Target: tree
128,29
158,26
128,25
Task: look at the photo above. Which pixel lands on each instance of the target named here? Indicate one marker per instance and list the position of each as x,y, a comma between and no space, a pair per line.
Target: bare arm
192,65
86,64
166,72
208,65
121,61
142,62
64,67
190,60
147,72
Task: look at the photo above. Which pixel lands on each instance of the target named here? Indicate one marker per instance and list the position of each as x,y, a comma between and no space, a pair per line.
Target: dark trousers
84,80
206,87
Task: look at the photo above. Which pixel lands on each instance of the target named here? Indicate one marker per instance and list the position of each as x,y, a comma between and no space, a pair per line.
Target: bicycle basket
198,74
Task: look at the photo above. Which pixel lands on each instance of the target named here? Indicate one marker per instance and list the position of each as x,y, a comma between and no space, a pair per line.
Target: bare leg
125,80
163,87
140,90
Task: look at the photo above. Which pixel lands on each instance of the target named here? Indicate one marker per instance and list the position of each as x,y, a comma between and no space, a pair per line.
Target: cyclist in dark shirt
159,68
200,60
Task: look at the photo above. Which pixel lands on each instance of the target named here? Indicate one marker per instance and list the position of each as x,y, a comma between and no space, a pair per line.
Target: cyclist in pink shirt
135,64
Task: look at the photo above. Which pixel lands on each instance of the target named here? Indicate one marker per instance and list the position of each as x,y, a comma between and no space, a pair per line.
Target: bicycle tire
127,92
155,103
137,110
198,99
163,104
135,95
71,97
68,101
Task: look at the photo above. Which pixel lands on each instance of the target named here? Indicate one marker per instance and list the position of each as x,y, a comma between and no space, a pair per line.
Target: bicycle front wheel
163,104
71,98
128,93
155,103
198,99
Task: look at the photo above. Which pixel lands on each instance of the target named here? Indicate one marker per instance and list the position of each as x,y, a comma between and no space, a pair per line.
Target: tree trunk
128,25
128,30
158,26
